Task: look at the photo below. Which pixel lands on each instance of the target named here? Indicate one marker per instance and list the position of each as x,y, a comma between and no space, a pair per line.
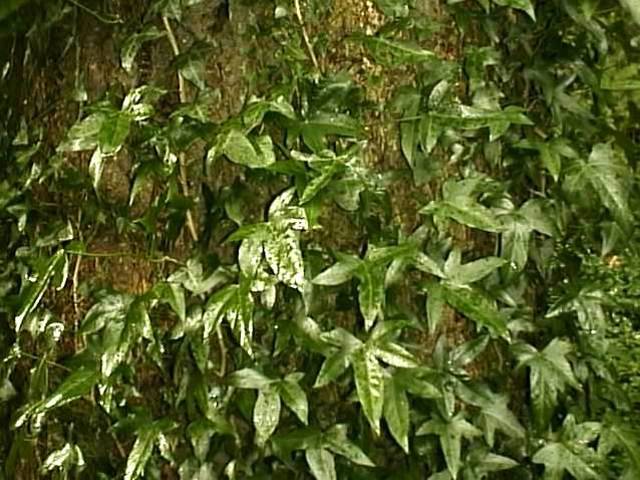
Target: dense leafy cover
493,337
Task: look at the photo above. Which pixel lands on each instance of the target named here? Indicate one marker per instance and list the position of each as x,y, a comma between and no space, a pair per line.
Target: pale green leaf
132,44
140,453
33,293
336,440
396,412
321,463
266,415
371,294
295,398
369,385
250,378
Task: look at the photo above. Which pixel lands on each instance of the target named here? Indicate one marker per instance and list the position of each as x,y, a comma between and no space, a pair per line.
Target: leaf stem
95,14
305,36
182,93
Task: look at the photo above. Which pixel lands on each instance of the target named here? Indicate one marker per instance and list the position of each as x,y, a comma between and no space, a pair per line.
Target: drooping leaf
369,386
250,378
524,5
132,44
294,397
77,384
321,463
336,440
266,415
396,412
141,452
33,294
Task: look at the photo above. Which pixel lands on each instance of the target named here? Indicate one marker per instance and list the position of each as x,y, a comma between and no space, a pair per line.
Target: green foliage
313,302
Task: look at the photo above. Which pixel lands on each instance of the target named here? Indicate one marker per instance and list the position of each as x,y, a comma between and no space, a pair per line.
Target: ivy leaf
84,134
369,385
336,440
250,378
173,294
473,271
395,51
435,305
476,306
370,293
132,44
238,148
114,130
283,254
524,5
266,414
321,463
450,433
140,453
607,172
340,272
294,397
77,384
396,412
550,373
32,295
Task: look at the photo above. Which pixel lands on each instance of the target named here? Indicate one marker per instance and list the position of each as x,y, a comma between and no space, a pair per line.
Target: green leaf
132,44
369,385
266,415
173,294
435,305
319,183
557,458
338,273
450,434
32,295
476,306
371,294
321,463
394,355
332,368
294,397
395,51
524,5
465,211
284,257
336,440
84,134
473,271
250,378
141,452
239,149
77,384
256,110
633,6
550,373
114,130
608,173
396,412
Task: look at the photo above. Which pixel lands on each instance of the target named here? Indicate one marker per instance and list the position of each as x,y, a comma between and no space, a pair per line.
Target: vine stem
182,93
223,352
305,36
